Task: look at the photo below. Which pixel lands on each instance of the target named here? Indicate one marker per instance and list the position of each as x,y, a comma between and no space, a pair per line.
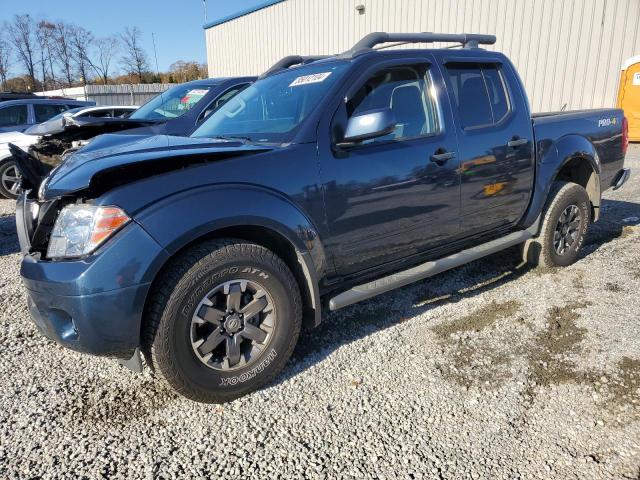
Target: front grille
34,223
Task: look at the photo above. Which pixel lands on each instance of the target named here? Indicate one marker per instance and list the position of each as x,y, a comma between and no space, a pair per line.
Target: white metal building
568,52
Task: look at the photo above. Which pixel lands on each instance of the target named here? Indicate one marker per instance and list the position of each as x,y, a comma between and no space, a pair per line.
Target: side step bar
428,269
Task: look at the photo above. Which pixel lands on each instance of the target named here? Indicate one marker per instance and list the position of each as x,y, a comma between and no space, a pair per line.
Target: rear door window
44,112
497,92
479,94
13,115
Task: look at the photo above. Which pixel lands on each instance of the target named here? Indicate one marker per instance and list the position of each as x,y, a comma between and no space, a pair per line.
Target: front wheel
9,180
223,320
565,221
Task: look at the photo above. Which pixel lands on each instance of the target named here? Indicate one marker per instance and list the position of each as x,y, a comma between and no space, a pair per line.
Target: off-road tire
541,250
174,298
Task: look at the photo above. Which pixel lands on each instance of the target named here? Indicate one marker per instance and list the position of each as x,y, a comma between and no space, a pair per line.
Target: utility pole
155,53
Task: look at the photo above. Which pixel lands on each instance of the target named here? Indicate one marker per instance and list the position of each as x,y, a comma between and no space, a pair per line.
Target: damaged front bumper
94,304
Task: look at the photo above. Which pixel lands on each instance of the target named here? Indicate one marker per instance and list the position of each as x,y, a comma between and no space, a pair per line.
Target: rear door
389,198
495,139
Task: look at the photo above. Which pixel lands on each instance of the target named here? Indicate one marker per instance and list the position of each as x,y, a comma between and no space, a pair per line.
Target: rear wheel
223,321
9,180
564,226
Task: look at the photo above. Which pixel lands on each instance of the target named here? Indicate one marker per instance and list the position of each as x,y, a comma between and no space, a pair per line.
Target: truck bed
601,127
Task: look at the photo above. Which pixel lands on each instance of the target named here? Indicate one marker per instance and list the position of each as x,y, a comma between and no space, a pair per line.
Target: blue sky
177,25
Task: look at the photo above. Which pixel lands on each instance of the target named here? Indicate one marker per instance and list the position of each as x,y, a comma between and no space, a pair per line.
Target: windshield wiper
232,137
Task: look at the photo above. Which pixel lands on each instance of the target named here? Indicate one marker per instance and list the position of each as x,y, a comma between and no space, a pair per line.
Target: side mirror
368,125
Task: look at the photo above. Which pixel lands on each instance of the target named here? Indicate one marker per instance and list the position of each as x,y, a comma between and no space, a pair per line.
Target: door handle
516,142
441,156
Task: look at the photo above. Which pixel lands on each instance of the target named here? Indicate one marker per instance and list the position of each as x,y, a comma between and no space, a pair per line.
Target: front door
393,196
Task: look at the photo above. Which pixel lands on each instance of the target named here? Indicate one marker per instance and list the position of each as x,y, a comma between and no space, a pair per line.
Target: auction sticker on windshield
194,95
306,79
199,91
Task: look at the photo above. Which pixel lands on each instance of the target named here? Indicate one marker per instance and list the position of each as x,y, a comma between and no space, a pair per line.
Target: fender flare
567,149
174,223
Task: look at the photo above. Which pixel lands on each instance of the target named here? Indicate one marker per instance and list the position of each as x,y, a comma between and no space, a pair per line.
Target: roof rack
291,61
468,40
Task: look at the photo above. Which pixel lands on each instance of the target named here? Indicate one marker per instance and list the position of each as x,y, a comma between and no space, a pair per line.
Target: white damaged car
9,174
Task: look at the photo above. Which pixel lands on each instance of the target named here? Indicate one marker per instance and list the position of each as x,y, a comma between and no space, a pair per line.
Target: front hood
129,157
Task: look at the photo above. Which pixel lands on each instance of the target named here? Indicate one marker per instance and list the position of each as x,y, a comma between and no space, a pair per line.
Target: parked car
178,110
9,174
18,115
175,112
317,187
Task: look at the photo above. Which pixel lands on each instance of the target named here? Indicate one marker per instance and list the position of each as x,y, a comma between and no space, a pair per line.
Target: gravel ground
493,370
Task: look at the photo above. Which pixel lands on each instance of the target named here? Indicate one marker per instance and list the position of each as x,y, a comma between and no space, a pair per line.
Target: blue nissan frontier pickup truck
326,182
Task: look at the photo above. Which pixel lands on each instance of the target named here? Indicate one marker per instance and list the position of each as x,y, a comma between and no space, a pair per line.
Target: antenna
204,4
155,54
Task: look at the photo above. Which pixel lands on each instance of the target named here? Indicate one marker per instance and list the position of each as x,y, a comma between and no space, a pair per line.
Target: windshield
271,109
174,102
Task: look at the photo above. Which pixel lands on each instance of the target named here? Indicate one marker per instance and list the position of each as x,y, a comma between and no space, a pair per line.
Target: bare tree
5,55
45,37
22,37
51,51
135,59
81,42
63,50
106,50
182,71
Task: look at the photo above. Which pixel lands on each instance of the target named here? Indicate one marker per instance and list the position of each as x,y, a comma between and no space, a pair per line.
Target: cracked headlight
80,229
